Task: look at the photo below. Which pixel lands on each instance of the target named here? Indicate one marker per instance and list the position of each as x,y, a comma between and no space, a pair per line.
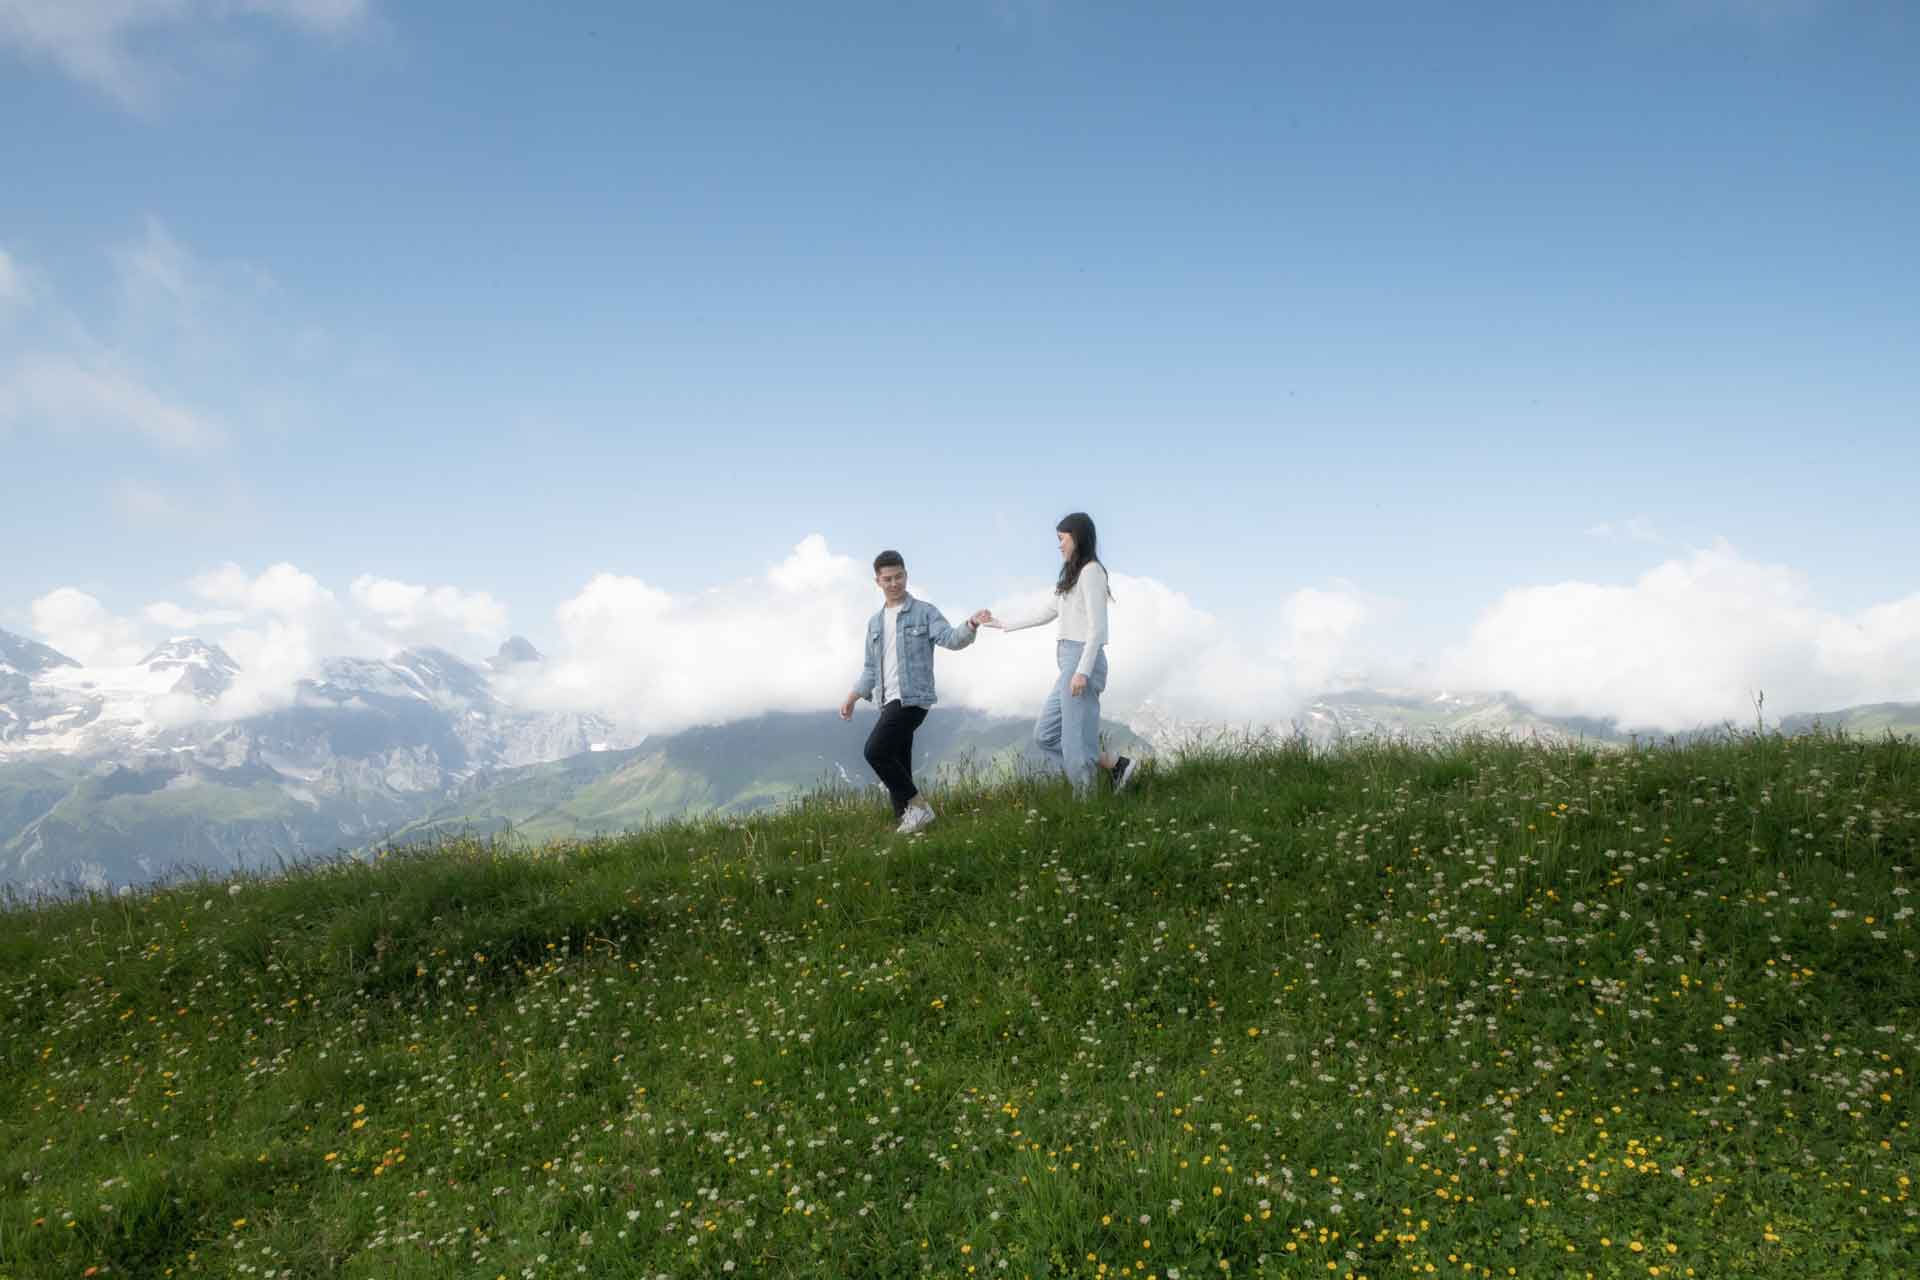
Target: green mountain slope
1871,720
65,823
1395,1010
733,768
29,789
112,825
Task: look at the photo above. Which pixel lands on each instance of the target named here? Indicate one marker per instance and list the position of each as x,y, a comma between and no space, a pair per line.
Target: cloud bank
790,639
1693,642
1688,644
279,625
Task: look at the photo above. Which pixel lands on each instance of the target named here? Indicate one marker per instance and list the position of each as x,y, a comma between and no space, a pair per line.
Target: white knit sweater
1082,613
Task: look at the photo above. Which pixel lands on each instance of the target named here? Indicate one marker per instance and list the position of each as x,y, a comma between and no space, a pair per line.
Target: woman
1068,731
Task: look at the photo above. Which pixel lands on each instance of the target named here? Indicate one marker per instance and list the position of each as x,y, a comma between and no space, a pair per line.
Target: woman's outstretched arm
1032,618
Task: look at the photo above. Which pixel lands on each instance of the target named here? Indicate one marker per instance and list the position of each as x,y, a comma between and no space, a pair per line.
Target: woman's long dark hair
1086,550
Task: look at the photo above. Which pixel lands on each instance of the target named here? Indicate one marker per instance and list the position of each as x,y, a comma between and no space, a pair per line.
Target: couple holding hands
898,671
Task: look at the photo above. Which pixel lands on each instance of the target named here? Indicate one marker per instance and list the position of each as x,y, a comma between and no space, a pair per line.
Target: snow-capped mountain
205,671
49,702
1426,714
170,701
23,657
87,754
23,704
1399,714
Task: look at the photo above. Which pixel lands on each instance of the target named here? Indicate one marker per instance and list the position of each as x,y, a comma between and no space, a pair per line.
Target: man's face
893,582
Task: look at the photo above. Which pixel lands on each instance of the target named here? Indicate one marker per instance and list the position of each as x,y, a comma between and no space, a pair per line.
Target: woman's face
1066,544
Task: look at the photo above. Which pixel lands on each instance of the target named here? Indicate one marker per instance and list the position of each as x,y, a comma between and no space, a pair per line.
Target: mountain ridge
112,776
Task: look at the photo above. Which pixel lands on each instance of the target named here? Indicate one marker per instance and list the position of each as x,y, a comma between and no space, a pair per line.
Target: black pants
890,751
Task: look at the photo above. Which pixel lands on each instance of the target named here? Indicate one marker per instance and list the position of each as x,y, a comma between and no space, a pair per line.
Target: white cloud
78,625
811,567
64,392
1691,644
281,590
430,615
178,621
278,625
13,284
791,639
93,40
157,265
189,355
167,290
786,641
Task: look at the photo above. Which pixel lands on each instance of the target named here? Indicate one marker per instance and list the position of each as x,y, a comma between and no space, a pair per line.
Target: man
898,675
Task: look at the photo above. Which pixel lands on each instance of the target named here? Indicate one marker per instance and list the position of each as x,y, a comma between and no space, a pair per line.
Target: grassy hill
1482,1009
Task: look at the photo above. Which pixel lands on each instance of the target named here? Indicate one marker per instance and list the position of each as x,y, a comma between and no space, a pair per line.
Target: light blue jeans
1068,731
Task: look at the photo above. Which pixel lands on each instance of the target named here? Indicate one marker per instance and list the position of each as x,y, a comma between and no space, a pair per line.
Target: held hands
984,618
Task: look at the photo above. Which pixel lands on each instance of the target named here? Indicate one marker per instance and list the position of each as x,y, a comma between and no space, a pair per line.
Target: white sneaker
1123,770
917,817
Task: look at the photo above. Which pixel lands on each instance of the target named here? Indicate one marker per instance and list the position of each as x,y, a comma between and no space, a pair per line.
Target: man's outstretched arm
948,636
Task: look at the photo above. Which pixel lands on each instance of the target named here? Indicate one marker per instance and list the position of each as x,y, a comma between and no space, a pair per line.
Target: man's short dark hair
888,560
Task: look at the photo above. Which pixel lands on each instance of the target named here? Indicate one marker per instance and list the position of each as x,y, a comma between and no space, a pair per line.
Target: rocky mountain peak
441,672
205,670
29,657
189,651
515,651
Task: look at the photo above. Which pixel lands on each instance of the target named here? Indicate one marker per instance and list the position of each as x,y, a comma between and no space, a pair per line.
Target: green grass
1478,1009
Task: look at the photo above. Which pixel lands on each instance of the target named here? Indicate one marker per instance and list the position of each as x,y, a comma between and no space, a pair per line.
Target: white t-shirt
890,654
1082,613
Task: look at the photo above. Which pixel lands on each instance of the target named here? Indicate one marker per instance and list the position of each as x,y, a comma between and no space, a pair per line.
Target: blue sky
1418,305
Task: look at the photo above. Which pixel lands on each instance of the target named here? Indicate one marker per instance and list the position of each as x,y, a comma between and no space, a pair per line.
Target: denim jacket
919,627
